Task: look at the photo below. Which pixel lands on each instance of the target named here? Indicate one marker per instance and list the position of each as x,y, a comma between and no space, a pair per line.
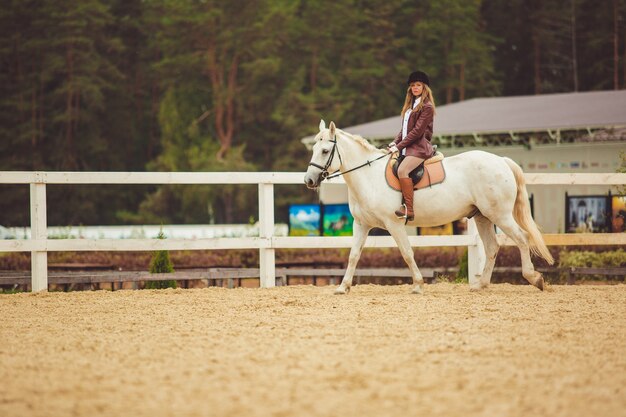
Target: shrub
462,275
590,259
161,264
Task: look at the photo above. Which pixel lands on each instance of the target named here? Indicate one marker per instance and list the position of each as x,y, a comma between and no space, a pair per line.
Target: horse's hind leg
359,233
398,232
490,242
512,229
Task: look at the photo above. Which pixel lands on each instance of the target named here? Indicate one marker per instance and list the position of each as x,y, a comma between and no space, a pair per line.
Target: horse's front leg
359,233
398,232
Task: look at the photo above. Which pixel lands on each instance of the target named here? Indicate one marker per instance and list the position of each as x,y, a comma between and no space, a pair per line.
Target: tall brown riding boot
406,211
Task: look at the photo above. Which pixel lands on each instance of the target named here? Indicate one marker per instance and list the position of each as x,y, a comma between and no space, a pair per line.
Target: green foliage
590,259
456,50
198,203
161,264
72,93
10,290
462,274
536,54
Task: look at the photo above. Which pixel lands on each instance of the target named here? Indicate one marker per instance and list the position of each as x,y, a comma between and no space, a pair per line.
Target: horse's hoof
477,288
342,291
539,281
418,290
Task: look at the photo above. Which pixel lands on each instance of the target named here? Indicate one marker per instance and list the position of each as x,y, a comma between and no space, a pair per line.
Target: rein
325,174
368,162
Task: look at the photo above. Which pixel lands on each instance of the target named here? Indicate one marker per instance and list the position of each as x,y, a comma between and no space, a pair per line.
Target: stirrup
406,212
405,216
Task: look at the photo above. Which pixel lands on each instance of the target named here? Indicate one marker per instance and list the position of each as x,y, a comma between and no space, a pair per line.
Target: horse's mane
360,140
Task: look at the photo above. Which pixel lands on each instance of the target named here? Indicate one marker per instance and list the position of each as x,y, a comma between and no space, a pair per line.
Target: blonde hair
427,96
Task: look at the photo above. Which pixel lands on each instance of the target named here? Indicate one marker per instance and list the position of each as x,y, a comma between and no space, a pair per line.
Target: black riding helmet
418,76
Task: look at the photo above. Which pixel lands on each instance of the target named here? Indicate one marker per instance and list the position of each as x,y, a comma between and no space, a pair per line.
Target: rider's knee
403,173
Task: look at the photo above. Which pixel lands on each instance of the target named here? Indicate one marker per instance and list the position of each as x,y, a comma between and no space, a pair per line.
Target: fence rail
48,177
39,245
212,275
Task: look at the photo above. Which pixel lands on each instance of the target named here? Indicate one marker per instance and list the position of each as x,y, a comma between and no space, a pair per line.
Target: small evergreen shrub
161,264
462,274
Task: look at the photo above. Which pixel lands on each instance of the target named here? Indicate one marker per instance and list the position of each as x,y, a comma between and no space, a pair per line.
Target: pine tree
161,264
456,51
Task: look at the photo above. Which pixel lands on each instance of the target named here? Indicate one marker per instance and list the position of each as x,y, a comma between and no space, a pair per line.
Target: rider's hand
391,144
392,148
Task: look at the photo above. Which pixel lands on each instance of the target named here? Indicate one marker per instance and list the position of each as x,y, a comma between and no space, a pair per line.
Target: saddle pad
434,173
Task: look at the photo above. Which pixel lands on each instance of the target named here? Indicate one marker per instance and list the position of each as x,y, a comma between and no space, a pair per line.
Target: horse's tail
521,214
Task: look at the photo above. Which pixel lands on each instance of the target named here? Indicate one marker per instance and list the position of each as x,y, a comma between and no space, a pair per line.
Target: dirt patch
379,351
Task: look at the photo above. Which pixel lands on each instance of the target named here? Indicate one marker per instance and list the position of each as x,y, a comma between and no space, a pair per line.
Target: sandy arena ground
302,351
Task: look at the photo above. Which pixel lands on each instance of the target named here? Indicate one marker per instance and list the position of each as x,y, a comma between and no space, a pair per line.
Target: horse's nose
308,182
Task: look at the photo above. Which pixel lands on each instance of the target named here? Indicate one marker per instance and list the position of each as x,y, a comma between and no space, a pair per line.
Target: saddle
429,173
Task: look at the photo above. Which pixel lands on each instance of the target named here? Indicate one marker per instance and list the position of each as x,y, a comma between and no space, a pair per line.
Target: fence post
475,256
267,256
39,231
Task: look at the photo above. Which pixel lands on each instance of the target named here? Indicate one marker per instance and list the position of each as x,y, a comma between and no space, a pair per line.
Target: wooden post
475,256
267,256
39,231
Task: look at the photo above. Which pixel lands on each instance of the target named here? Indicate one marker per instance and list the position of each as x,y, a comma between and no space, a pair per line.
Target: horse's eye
325,151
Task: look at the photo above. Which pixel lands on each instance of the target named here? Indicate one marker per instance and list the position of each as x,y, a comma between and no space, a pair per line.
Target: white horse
488,185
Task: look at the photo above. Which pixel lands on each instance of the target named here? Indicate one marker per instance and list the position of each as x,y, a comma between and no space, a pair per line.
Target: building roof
492,115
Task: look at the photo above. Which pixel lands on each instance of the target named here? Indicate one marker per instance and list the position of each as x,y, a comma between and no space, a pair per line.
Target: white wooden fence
39,245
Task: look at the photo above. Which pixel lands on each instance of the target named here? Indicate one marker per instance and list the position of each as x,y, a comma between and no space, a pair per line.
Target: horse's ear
322,125
331,129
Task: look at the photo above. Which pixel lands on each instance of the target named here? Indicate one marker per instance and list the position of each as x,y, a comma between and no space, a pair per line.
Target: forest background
173,85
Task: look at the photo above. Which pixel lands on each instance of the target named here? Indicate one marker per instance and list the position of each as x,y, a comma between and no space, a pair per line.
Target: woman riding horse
488,187
413,140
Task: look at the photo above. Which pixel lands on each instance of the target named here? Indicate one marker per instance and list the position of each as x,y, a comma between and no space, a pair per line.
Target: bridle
326,175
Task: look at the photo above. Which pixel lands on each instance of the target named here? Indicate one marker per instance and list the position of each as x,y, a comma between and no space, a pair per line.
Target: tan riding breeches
408,164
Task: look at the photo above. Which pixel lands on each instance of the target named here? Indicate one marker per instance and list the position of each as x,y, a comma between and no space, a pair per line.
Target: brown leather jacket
419,132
